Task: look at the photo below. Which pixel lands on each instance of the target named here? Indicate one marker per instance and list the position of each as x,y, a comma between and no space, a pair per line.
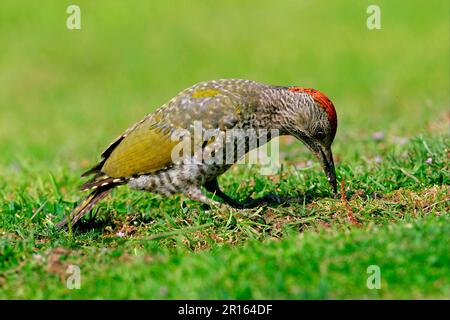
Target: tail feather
86,205
100,182
94,170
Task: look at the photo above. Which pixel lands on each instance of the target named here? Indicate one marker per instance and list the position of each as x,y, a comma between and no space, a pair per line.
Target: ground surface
67,94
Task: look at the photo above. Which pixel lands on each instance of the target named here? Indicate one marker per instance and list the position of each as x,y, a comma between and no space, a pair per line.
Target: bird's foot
266,199
196,194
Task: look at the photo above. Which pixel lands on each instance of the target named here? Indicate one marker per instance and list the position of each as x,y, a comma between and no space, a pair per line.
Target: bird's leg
196,194
213,187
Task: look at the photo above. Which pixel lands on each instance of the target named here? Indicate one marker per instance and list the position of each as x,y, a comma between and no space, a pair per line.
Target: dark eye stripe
320,135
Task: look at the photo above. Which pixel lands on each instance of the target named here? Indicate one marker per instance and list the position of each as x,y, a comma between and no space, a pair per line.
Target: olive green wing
147,146
105,154
145,149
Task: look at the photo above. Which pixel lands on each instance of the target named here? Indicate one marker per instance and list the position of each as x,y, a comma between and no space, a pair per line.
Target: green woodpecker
152,155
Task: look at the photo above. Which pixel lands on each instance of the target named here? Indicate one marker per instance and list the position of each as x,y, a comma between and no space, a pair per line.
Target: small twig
342,189
409,175
38,210
436,203
350,216
173,233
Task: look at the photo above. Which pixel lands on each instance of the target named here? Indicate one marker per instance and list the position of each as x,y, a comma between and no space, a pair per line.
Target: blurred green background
65,94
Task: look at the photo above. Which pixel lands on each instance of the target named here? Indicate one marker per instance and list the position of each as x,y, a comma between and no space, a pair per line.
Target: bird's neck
268,109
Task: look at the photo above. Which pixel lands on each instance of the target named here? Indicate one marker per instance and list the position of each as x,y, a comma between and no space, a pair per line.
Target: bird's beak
326,158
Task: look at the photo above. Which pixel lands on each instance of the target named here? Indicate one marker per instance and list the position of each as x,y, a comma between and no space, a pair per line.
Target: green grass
67,94
412,260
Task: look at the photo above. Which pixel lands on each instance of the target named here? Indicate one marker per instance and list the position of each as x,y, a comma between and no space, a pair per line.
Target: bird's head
311,118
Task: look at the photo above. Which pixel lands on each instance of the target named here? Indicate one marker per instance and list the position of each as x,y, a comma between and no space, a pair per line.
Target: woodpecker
143,156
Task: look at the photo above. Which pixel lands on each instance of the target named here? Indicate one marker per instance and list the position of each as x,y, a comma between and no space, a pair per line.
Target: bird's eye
320,135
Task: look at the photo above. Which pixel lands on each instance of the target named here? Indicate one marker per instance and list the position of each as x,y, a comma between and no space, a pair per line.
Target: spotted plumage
143,156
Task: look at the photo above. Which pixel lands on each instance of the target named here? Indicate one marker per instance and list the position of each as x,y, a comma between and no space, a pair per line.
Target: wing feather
147,146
